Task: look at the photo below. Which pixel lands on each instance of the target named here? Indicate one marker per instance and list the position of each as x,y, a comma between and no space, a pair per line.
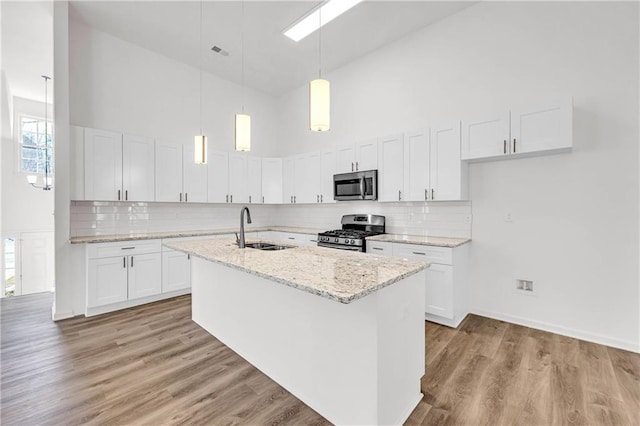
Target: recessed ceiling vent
220,51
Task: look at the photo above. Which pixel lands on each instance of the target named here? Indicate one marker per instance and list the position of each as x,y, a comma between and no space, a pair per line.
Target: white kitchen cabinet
288,180
291,237
218,177
439,291
327,170
176,270
309,178
380,248
138,168
391,171
417,160
194,177
448,174
118,272
357,157
272,184
254,180
102,165
522,131
178,178
238,192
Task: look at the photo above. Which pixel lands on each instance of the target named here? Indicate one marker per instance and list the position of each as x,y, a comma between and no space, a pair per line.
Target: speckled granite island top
334,274
421,240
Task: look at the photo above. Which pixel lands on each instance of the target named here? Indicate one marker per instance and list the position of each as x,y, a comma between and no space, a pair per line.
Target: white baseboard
564,331
97,310
57,316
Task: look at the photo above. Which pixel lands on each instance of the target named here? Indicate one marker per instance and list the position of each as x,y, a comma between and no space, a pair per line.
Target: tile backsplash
445,219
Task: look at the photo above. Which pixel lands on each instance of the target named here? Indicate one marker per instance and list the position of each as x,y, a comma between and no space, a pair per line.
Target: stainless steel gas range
355,229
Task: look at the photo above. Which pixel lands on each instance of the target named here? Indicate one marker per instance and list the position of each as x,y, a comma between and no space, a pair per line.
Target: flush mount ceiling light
313,21
242,121
200,141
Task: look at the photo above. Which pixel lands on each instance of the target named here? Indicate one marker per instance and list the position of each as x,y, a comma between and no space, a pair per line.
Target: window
36,148
9,266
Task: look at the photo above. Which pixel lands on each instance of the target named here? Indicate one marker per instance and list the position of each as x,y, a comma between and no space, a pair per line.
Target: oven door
339,246
356,186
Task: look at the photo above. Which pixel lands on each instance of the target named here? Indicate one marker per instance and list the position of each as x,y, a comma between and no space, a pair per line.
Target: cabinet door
176,271
312,176
327,170
391,173
367,155
439,290
168,171
446,173
254,179
107,281
486,136
345,159
301,183
102,165
379,248
288,179
138,168
542,127
218,177
417,159
145,275
238,178
272,180
194,177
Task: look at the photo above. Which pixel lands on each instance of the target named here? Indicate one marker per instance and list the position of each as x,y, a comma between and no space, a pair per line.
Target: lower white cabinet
176,270
145,277
446,281
107,281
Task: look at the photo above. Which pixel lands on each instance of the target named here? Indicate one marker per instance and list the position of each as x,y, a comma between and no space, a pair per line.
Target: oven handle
339,247
362,194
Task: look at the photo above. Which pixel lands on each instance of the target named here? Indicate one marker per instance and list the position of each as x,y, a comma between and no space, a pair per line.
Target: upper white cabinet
523,131
254,179
327,170
117,167
357,157
448,175
218,176
288,180
272,184
417,158
238,178
178,178
310,179
391,171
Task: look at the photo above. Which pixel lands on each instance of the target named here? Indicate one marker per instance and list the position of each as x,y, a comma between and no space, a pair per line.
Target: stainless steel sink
266,246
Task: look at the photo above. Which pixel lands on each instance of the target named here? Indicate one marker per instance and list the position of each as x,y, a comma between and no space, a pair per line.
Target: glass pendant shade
319,105
200,149
243,132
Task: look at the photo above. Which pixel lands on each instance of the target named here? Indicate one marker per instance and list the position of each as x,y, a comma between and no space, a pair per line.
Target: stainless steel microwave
356,186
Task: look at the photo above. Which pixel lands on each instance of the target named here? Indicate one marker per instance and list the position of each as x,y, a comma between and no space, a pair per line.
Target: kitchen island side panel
349,362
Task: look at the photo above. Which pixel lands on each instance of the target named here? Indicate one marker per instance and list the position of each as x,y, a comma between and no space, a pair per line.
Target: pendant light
319,93
242,121
48,180
200,141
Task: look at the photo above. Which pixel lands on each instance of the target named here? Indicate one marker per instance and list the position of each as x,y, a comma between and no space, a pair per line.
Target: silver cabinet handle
291,201
399,195
263,199
226,198
420,253
291,238
128,248
118,195
295,199
377,248
426,194
124,262
132,261
352,168
432,196
186,197
514,144
321,199
504,146
126,195
231,198
356,166
362,189
249,199
317,198
188,256
181,197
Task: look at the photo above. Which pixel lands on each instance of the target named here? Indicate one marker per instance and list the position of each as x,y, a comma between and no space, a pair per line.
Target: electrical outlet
524,286
508,216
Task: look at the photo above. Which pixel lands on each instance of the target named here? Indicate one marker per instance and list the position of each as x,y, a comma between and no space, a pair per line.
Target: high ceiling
273,63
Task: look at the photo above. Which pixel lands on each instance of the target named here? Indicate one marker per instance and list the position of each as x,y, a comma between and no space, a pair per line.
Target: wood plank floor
153,365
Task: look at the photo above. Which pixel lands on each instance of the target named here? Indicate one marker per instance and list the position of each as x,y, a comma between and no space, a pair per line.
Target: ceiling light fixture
200,141
48,180
320,16
319,95
242,121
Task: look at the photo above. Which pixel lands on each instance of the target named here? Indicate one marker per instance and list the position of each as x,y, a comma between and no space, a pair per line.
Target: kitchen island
342,331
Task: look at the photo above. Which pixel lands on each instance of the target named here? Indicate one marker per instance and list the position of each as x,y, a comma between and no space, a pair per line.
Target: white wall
575,228
122,87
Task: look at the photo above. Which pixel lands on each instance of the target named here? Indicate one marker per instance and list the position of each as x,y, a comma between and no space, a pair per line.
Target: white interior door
37,262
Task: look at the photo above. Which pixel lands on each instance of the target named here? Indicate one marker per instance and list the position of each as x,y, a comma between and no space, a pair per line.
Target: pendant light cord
242,51
320,41
200,57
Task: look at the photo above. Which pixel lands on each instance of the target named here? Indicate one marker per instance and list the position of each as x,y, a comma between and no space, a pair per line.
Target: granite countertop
338,275
179,234
417,239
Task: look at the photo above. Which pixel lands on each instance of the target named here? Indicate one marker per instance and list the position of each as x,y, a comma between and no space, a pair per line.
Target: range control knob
336,240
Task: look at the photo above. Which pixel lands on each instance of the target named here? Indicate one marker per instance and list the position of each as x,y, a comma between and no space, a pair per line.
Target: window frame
18,155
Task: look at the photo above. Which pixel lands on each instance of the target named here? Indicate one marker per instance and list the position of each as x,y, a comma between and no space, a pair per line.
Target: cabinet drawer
124,248
440,255
379,248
